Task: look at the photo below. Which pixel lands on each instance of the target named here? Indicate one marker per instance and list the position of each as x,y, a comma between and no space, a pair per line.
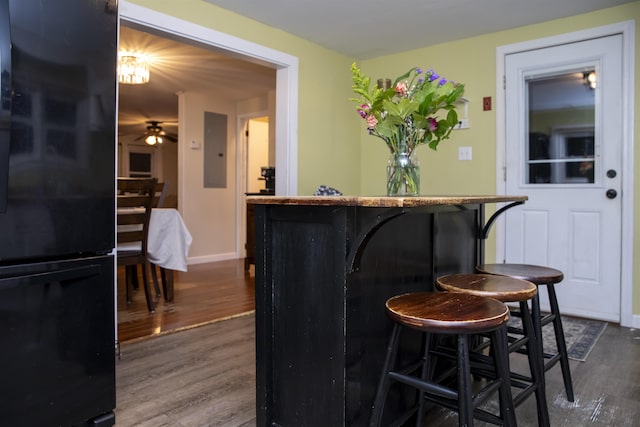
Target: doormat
580,335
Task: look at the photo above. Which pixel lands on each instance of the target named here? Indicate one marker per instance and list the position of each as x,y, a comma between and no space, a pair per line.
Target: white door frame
286,83
627,29
241,177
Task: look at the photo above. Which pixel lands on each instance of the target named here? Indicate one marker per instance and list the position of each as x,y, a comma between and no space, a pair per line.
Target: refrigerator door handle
50,276
5,102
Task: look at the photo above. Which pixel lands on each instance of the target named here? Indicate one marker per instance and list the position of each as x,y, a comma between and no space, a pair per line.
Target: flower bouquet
405,116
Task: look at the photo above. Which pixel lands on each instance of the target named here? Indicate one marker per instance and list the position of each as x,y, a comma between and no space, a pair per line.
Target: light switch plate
464,153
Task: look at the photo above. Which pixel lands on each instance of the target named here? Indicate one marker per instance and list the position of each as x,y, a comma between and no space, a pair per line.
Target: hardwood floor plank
209,382
206,376
205,293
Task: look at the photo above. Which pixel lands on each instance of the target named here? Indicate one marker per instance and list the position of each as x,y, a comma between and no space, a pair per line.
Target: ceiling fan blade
171,138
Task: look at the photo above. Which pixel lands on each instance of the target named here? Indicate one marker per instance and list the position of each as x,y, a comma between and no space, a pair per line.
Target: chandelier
132,69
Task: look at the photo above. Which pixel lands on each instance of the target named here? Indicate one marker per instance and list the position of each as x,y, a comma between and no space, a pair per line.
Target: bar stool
548,277
462,316
508,289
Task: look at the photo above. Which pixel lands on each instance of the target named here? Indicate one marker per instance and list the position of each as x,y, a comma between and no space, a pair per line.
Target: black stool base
438,391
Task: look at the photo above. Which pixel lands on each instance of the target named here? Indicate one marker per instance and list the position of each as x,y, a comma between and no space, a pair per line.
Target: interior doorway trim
286,80
627,30
241,178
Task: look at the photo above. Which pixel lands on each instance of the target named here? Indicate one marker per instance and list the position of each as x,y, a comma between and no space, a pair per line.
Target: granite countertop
373,201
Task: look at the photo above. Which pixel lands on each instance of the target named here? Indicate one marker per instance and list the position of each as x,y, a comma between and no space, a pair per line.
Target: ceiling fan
156,135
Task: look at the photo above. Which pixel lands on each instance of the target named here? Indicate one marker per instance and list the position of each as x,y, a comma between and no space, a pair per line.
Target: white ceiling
176,66
358,28
366,29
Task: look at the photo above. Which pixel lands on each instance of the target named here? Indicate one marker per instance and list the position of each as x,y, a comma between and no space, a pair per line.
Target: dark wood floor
206,293
206,376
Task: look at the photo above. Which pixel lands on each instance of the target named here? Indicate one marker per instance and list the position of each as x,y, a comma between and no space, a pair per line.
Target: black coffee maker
268,174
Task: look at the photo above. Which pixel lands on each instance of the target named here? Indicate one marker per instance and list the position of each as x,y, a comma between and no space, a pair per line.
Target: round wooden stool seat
445,312
502,288
537,274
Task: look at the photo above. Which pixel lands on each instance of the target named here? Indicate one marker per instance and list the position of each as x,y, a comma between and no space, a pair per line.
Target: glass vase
403,174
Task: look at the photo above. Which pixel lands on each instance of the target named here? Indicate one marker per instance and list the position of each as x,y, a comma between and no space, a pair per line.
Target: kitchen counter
385,201
325,265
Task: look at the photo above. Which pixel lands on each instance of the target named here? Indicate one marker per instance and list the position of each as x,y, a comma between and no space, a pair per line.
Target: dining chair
134,202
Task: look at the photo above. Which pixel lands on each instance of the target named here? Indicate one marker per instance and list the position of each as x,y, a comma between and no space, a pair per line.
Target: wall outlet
463,124
464,153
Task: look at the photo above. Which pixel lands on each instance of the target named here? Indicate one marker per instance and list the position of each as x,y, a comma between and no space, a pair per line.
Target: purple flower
434,76
418,70
442,82
362,110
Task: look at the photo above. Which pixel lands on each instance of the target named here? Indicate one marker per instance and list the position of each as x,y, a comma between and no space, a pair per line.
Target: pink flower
362,110
372,122
433,124
401,88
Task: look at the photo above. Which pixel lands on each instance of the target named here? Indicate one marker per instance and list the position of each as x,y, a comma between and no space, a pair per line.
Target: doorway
286,79
257,152
564,148
285,109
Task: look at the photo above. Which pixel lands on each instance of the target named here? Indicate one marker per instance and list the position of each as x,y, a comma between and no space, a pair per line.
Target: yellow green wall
473,61
332,144
328,138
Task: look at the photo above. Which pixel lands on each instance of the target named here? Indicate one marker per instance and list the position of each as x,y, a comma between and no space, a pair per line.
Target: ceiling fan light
153,140
133,69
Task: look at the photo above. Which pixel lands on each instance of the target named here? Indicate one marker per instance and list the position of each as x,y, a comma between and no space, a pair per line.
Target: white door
563,150
257,153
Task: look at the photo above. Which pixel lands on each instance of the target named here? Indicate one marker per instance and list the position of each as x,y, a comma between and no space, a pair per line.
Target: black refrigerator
57,212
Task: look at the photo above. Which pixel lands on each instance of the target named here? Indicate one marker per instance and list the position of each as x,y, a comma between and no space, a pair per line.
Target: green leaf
425,105
402,77
452,117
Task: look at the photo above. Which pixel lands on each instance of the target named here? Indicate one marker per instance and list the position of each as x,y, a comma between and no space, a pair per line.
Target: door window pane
561,122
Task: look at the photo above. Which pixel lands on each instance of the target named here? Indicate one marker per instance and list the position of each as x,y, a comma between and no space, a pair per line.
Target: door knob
611,193
611,173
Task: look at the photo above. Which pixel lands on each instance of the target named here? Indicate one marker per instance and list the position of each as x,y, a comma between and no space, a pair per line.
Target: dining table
168,245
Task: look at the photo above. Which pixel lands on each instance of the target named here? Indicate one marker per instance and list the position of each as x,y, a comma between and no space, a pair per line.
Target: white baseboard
635,321
211,258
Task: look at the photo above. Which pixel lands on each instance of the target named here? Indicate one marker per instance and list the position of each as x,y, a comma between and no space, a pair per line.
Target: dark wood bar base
324,268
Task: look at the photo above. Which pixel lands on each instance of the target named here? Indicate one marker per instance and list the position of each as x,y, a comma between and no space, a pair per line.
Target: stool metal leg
425,375
537,325
536,365
465,397
500,345
383,386
562,345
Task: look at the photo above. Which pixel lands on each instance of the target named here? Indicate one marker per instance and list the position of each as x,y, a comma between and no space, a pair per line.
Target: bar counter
324,268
